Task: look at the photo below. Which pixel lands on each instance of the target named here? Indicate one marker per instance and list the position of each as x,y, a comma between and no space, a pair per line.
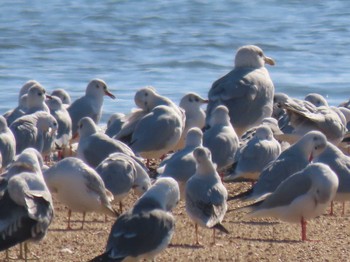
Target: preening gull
95,146
290,161
25,201
206,195
121,173
255,155
115,123
247,91
301,197
79,187
89,105
221,138
145,230
181,165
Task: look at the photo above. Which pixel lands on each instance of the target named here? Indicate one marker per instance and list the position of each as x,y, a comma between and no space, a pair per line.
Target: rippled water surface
176,46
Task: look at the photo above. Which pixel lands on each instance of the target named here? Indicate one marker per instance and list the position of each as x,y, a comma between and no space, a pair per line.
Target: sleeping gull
33,130
27,201
195,115
121,173
79,187
145,230
90,104
182,165
301,197
247,91
114,124
255,155
340,164
290,161
7,143
221,138
206,195
95,146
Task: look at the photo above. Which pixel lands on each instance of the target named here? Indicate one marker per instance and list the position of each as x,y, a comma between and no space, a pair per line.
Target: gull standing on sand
79,187
206,196
290,161
182,165
145,230
247,91
340,164
121,173
255,155
195,115
90,104
221,138
33,130
60,113
301,197
25,201
95,146
7,143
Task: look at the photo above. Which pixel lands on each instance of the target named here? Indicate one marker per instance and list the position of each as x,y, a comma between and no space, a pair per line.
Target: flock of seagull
293,151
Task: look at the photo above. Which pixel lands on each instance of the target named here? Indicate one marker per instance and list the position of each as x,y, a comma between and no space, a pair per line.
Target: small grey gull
36,97
27,201
121,173
340,164
145,230
95,146
79,187
33,130
63,95
290,161
195,115
301,197
206,196
255,155
60,113
247,91
316,99
7,143
12,114
90,104
221,138
114,124
181,165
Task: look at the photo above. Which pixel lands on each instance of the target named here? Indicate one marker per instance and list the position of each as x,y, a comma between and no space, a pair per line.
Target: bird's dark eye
260,54
81,126
40,94
146,94
97,86
55,124
190,99
196,99
104,87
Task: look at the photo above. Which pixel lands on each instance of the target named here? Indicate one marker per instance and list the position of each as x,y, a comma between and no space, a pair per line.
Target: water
176,46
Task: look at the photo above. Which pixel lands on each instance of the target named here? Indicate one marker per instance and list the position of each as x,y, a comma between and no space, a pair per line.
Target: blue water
176,46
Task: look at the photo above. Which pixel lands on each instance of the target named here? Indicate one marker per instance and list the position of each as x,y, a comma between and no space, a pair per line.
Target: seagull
255,155
17,112
121,173
27,201
316,99
60,113
181,165
290,161
63,95
79,187
145,230
90,104
7,143
95,146
301,197
114,124
221,138
206,196
340,164
32,130
36,97
195,115
247,91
